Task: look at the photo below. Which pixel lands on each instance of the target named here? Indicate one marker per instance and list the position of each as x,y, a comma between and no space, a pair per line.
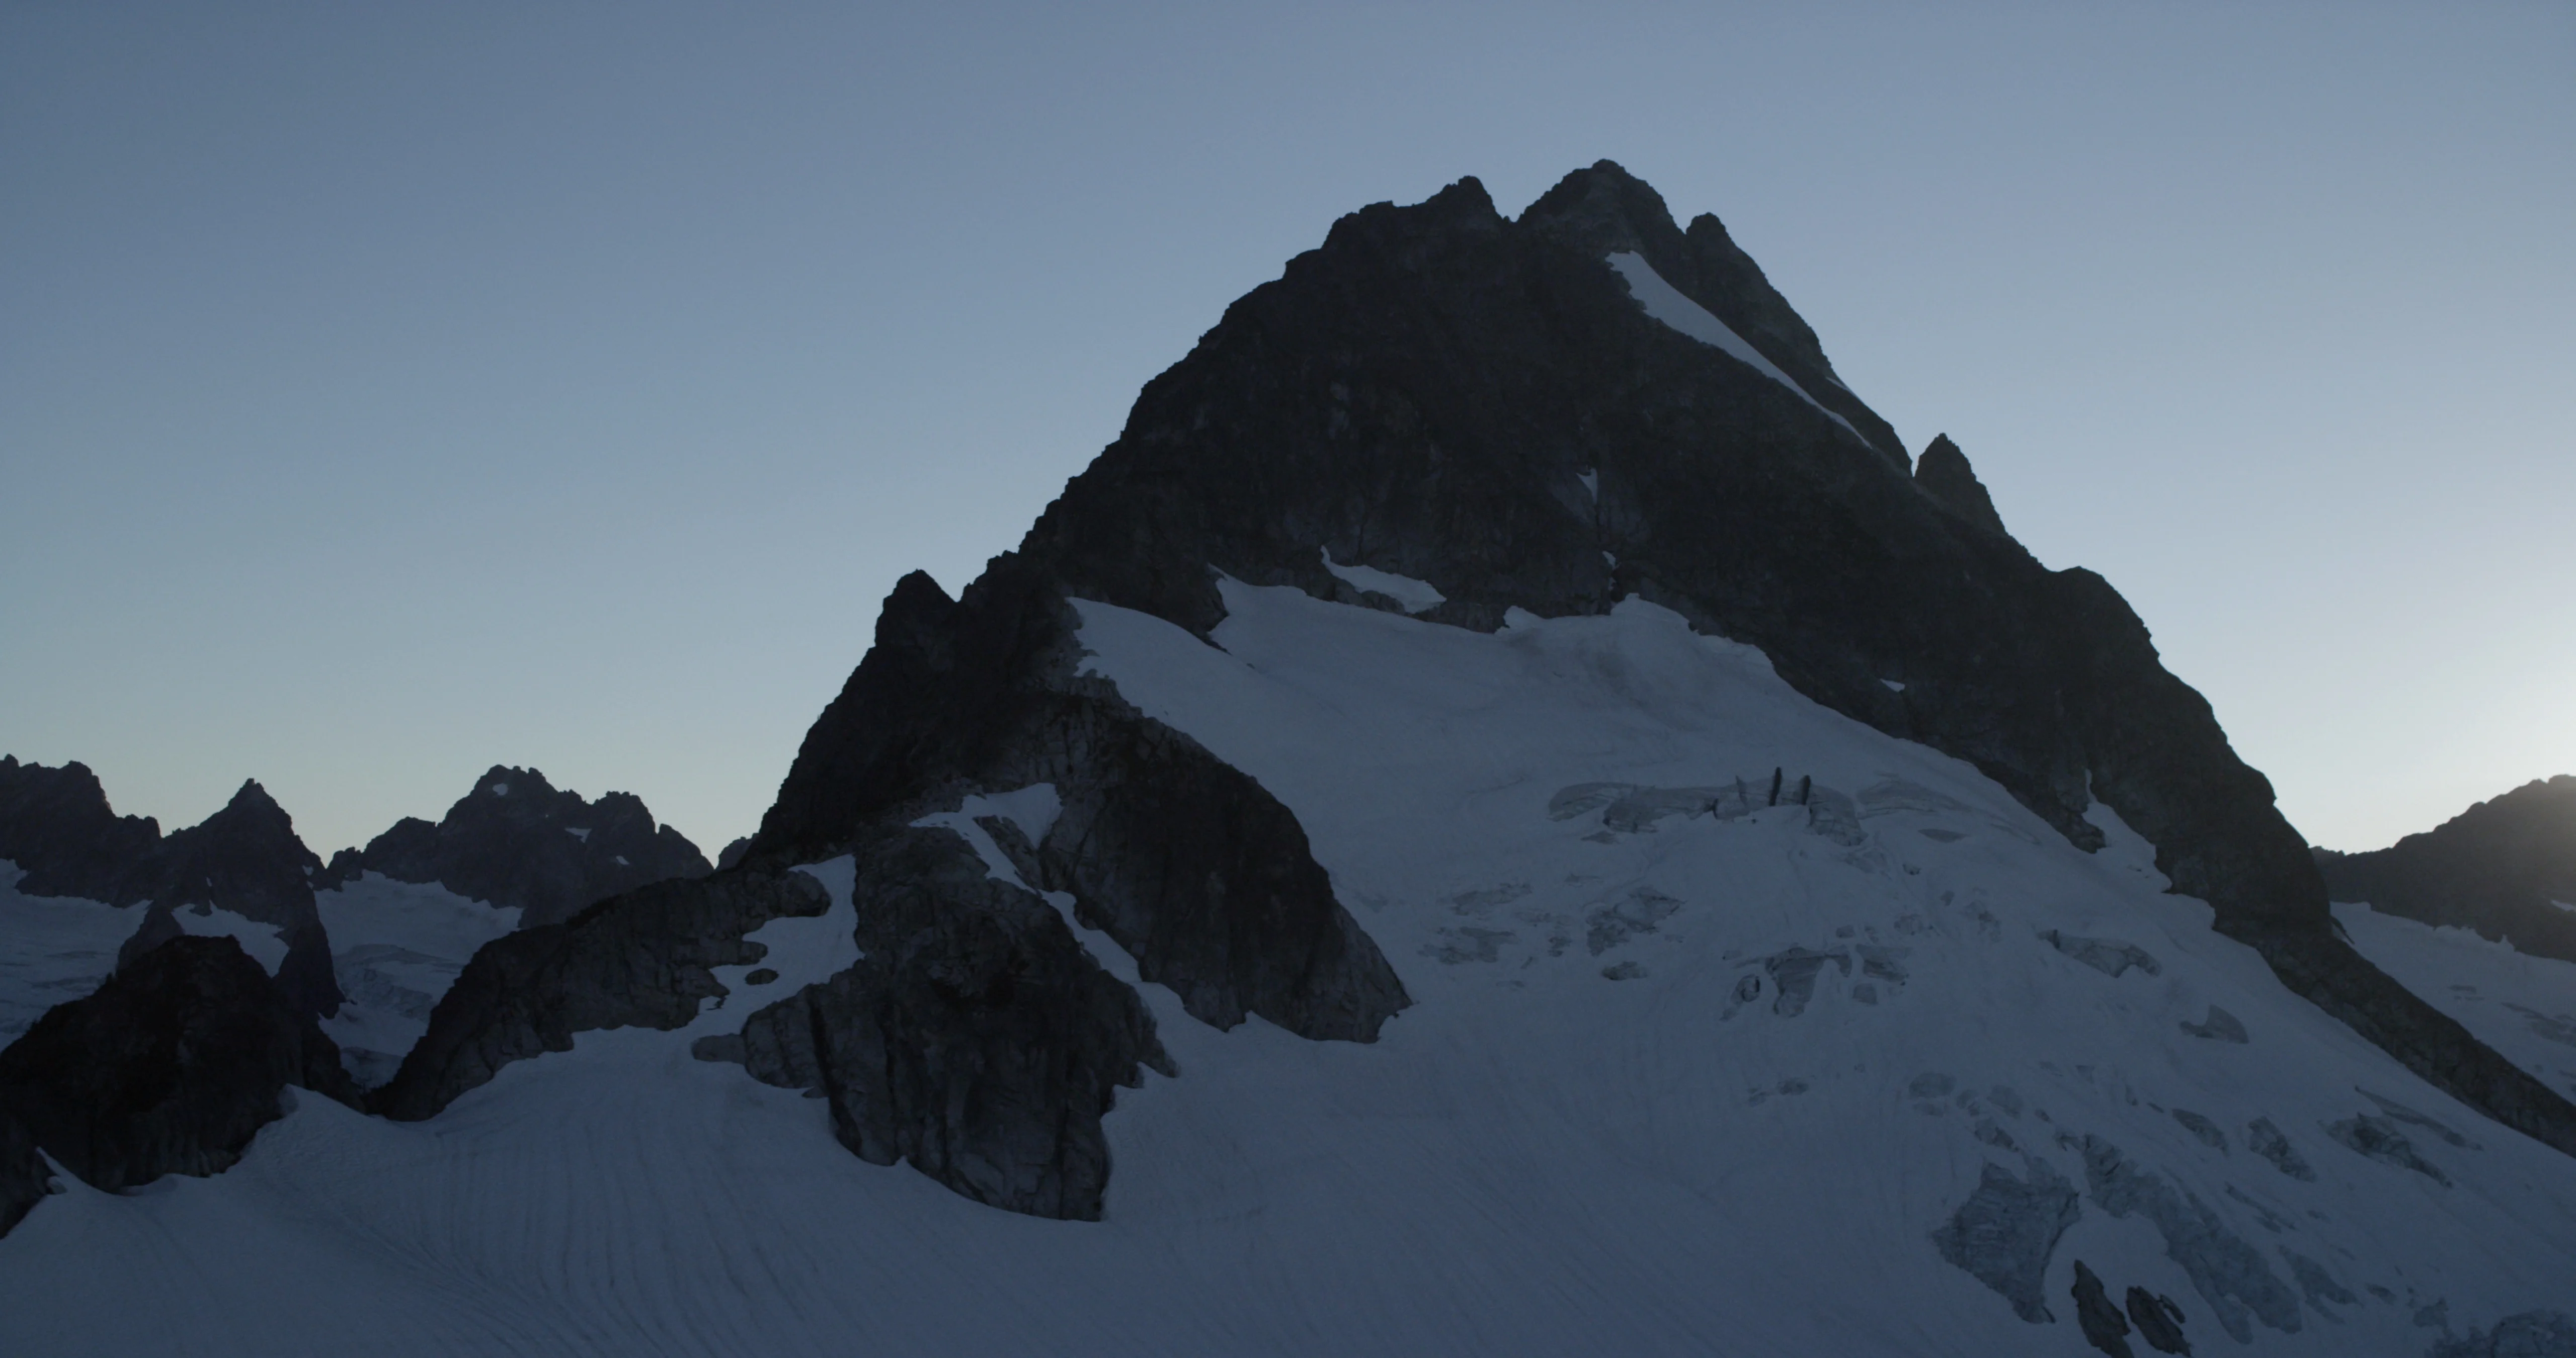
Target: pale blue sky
388,391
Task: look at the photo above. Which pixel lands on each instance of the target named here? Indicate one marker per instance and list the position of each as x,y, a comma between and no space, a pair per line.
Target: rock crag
171,1067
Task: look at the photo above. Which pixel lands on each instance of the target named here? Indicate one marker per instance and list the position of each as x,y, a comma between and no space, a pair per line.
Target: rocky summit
517,842
1505,813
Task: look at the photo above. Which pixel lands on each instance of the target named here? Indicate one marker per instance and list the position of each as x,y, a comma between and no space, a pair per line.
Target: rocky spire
1943,474
246,859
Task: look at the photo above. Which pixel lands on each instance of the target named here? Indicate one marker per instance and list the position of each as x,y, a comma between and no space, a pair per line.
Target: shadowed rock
55,824
643,959
2101,1322
1191,865
1943,473
2159,1321
975,1038
22,1170
169,1068
2503,868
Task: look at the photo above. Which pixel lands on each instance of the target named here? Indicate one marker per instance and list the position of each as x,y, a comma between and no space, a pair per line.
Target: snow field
1589,1134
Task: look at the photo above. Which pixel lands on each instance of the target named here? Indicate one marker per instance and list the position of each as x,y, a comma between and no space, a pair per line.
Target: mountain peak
1944,474
516,841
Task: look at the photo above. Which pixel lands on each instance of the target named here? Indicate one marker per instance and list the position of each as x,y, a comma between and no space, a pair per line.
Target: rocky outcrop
1943,473
976,1038
2505,868
1193,867
516,841
642,959
55,824
247,859
169,1068
23,1180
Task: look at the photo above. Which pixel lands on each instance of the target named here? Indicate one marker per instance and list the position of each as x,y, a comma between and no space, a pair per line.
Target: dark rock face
2103,1326
55,824
170,1068
2159,1321
1192,866
1207,881
975,1038
515,841
2326,970
2499,867
1943,473
247,859
641,959
22,1171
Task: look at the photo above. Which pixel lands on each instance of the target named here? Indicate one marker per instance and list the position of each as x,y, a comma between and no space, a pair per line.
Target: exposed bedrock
169,1068
1192,866
2100,1321
2324,968
642,959
22,1170
56,825
1206,880
975,1038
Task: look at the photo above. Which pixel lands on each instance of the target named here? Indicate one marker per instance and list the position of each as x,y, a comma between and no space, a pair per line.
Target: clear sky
387,391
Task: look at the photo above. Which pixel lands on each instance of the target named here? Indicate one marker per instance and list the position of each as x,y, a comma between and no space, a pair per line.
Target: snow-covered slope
2523,1006
397,946
1688,1071
52,949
